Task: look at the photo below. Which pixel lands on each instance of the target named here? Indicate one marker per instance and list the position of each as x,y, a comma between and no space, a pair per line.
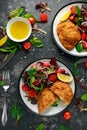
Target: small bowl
18,29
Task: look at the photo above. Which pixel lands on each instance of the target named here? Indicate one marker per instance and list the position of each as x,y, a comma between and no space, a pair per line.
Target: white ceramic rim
10,22
56,20
52,110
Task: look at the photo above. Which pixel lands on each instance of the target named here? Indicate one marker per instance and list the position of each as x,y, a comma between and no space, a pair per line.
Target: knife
82,60
4,62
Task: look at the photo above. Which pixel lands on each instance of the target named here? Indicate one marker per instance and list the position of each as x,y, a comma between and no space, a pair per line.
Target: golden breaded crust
69,34
62,90
46,99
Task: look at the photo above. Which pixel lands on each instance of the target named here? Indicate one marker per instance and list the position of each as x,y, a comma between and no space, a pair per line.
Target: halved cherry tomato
73,9
84,36
72,18
84,44
52,77
31,20
67,115
85,64
25,88
32,93
27,45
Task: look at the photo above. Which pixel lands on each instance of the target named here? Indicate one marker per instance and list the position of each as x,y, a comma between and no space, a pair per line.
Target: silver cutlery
6,79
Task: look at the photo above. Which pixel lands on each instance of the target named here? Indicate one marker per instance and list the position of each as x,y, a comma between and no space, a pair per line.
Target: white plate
51,110
56,20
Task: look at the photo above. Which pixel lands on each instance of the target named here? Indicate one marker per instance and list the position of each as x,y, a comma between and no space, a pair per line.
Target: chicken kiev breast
63,91
68,34
46,99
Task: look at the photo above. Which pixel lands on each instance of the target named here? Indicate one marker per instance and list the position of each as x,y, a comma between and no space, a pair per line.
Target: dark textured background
31,120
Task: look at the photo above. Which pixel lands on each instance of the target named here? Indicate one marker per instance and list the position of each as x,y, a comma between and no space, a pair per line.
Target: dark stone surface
31,120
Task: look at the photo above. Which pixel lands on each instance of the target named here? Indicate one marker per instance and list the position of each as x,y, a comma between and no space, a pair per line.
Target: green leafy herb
16,112
31,72
79,19
75,68
40,127
21,12
11,47
63,127
55,104
78,11
84,96
1,83
17,12
79,47
36,42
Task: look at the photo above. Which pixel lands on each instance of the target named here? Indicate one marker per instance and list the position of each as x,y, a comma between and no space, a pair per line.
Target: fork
6,79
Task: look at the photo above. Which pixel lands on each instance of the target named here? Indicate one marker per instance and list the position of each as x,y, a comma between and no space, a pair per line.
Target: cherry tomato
43,17
60,71
72,18
32,93
46,64
31,20
73,9
52,77
36,82
84,44
25,88
85,64
83,36
67,115
27,45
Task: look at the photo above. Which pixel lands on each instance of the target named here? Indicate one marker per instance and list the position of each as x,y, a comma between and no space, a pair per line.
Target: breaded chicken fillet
63,91
69,34
46,99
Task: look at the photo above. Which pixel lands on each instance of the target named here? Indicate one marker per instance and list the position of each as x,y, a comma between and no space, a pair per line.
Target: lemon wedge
65,16
3,40
64,77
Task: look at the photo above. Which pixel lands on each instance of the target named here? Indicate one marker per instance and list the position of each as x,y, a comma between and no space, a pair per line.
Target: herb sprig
16,112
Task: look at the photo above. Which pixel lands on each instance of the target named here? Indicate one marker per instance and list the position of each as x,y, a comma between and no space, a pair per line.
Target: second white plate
56,20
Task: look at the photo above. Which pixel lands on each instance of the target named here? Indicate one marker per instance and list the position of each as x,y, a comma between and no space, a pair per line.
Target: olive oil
19,30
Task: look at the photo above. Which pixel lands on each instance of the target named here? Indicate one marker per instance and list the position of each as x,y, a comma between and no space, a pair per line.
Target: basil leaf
31,72
21,11
40,127
14,112
78,11
63,127
19,114
79,47
84,96
75,68
36,42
